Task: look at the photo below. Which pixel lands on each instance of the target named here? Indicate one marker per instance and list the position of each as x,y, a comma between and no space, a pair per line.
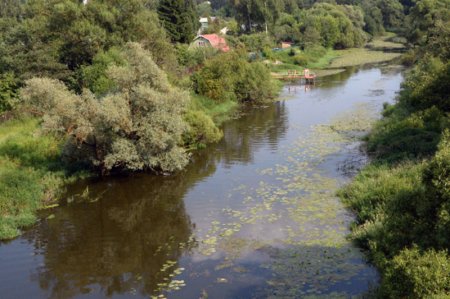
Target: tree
179,18
138,125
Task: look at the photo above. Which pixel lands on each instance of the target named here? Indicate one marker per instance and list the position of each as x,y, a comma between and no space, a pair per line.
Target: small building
204,23
285,45
211,40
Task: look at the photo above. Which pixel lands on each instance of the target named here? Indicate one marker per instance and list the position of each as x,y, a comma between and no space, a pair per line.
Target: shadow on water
245,136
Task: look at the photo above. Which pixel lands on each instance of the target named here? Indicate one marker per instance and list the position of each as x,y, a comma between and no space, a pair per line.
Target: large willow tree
137,125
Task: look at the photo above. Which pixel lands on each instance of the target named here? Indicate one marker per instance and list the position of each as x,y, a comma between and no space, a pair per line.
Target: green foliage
179,18
193,57
415,274
55,39
95,77
256,42
427,86
219,112
202,129
403,198
428,26
338,26
137,125
8,91
30,174
436,177
230,76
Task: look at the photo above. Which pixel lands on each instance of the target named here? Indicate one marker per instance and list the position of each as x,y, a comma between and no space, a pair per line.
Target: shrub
201,129
300,59
9,86
413,274
231,77
137,125
437,179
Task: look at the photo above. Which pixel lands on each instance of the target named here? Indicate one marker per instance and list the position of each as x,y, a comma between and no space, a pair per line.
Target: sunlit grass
219,112
385,42
30,174
360,56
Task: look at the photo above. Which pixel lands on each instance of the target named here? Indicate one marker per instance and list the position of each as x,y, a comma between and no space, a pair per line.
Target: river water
254,216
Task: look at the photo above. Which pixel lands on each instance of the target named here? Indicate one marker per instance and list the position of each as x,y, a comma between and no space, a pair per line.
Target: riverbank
31,174
402,199
328,62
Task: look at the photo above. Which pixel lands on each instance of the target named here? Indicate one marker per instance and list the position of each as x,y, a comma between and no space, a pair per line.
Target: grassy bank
402,199
31,175
326,62
219,112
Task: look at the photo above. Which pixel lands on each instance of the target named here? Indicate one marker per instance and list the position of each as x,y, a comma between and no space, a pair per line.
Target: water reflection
118,244
117,234
245,136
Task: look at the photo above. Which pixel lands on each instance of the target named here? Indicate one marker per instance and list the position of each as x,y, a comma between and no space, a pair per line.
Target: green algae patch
360,119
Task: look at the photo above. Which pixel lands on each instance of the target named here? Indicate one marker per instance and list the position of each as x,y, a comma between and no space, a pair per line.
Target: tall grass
218,111
31,175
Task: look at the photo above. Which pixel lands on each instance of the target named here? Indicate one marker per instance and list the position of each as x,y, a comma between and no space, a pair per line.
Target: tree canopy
137,125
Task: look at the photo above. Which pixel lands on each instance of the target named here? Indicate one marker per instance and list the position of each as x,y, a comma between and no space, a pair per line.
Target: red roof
217,42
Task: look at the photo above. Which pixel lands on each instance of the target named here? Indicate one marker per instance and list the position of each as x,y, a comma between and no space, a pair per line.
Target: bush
300,59
137,125
403,135
9,86
201,129
437,179
230,77
413,274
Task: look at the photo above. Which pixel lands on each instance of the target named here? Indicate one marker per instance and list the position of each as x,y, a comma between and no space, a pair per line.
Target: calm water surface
254,216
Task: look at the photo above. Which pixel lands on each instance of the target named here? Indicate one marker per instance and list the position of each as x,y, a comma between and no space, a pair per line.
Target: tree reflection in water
119,243
119,232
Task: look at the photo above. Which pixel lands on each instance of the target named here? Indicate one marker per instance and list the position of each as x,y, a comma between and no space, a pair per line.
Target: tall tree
179,18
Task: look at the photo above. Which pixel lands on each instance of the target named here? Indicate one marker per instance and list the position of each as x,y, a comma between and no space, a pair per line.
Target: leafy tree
339,26
428,27
137,125
55,38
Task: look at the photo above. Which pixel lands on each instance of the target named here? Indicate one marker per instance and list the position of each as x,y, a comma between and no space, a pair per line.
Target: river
254,216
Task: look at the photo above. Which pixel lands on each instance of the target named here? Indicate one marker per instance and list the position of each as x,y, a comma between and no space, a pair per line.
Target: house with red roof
211,40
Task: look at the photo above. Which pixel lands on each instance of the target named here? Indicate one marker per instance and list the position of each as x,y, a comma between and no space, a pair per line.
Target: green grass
324,60
285,67
219,112
31,176
360,56
386,42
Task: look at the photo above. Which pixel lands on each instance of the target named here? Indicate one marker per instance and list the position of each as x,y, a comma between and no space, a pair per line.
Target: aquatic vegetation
310,252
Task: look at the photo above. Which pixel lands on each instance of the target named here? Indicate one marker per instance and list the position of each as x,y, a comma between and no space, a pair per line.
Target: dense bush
8,91
201,129
415,274
137,125
231,77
